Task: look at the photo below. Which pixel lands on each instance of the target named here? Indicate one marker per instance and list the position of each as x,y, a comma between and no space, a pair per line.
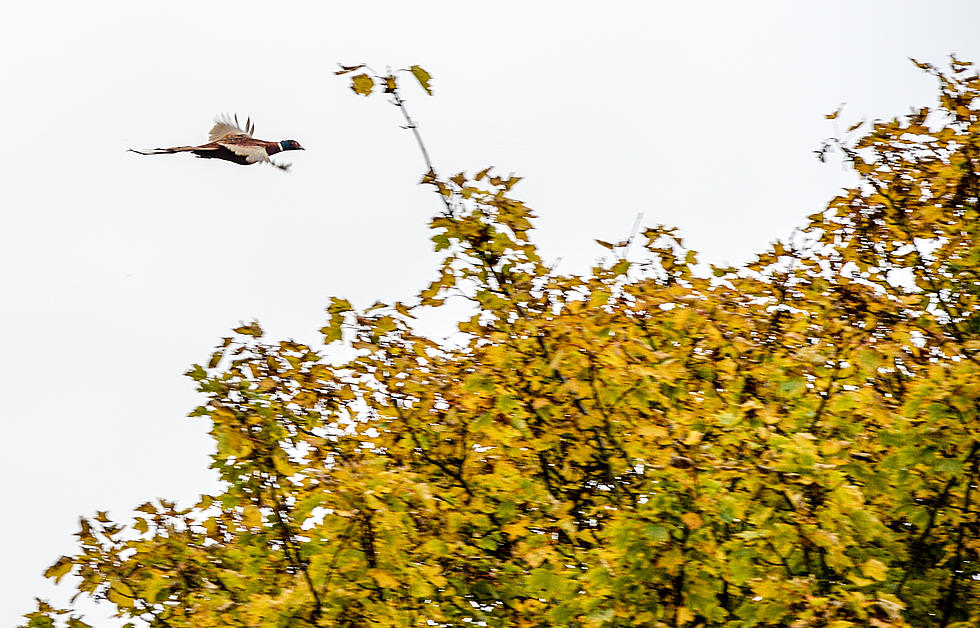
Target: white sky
118,271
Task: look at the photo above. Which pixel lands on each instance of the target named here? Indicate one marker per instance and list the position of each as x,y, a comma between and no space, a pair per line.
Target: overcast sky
118,271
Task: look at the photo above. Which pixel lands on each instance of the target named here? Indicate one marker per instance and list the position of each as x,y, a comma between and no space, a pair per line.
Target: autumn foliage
792,443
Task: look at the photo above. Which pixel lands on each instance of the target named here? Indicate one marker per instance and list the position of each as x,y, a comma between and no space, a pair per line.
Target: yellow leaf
121,595
891,605
404,310
243,449
362,84
58,570
536,556
652,431
684,615
384,579
671,560
282,464
874,568
858,580
515,530
692,520
252,329
423,78
344,69
252,517
693,437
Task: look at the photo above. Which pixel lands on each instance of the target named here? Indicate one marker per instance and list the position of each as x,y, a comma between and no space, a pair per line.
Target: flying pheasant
229,141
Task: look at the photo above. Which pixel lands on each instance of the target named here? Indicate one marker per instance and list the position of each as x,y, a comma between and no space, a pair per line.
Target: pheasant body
228,141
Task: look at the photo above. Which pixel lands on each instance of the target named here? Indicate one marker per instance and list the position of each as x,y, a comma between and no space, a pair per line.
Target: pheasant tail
164,151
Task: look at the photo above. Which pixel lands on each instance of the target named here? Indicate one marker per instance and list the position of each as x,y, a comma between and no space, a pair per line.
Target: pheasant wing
225,126
251,152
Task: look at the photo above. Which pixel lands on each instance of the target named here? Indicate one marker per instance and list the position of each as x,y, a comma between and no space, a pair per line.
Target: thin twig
957,562
289,546
410,124
633,232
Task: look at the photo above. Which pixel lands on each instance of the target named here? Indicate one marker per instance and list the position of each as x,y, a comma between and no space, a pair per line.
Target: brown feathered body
223,150
230,142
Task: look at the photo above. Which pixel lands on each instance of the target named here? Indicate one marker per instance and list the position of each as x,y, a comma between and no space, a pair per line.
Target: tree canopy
790,443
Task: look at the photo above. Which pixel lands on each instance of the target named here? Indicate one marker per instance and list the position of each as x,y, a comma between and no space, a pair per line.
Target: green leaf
793,386
545,581
656,533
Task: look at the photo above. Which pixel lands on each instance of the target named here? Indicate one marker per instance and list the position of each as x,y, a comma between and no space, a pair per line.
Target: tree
792,443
